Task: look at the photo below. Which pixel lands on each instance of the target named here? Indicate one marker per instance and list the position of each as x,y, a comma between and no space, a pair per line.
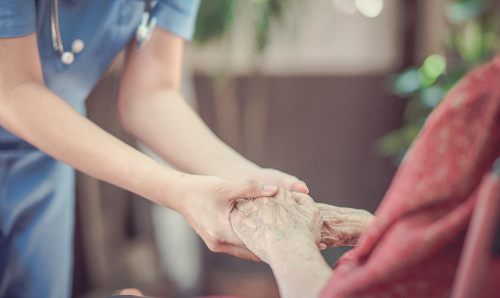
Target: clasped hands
221,213
269,225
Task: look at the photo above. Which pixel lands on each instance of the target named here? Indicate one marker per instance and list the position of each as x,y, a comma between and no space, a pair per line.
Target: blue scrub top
105,26
36,191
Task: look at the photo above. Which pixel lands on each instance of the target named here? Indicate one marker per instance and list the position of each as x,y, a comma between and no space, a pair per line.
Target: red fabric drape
413,247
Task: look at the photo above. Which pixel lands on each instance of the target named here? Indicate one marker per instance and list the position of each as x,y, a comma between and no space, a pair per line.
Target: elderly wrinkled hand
267,225
285,231
342,226
290,218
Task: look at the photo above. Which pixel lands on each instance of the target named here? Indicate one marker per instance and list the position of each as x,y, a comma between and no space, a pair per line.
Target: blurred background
332,91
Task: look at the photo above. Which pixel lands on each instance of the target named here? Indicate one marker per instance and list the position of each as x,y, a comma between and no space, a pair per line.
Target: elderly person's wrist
298,264
281,251
277,243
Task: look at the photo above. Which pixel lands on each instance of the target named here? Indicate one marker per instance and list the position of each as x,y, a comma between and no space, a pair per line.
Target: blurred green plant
216,18
472,38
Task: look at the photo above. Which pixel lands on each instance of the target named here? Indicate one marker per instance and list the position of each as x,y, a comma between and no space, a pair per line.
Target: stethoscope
142,34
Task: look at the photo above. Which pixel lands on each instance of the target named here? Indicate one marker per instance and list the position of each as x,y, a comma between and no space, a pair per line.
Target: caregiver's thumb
251,188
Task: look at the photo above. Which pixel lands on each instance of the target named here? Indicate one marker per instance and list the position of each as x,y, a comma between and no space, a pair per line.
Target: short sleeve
177,16
17,17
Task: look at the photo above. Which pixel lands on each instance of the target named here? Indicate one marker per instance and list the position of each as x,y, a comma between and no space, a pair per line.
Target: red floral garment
413,247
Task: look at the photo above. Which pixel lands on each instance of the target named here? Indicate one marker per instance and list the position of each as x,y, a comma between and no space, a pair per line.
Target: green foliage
269,11
472,38
216,17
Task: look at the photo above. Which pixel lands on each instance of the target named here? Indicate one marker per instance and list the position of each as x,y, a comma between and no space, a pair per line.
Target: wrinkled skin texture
263,223
266,225
207,204
285,230
342,226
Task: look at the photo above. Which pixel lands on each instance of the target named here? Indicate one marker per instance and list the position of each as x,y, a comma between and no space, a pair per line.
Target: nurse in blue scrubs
52,53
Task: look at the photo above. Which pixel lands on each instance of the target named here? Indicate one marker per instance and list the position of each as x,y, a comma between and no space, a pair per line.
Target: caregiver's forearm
300,269
34,113
164,122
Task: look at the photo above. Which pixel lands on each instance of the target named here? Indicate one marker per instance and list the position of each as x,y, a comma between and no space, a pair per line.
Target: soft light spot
370,8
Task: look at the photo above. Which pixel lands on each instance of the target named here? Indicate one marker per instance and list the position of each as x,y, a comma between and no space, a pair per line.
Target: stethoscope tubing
54,25
67,57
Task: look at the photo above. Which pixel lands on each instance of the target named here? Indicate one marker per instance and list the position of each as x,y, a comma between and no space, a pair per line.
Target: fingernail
269,188
322,246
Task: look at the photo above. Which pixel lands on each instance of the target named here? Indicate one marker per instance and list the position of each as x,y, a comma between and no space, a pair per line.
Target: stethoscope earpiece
67,58
76,48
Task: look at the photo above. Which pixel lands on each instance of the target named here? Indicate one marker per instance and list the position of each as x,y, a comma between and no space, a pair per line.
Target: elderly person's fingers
242,207
343,214
308,205
342,226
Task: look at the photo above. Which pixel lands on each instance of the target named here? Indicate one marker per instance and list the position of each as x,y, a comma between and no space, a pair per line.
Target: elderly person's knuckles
241,204
239,212
242,221
235,216
251,208
312,209
311,213
302,198
317,214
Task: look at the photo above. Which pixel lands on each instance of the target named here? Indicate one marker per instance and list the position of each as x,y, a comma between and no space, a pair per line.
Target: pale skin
210,177
284,232
342,226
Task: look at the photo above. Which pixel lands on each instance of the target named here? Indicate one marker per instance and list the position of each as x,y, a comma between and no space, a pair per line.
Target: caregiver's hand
275,177
342,226
272,226
206,202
